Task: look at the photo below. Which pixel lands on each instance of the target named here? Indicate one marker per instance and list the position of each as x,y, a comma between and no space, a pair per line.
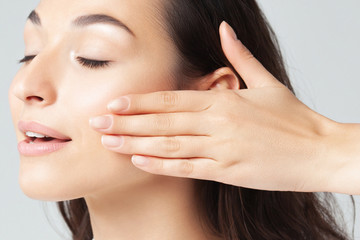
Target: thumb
249,68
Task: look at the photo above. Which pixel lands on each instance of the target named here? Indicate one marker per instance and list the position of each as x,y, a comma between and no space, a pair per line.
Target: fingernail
111,141
120,104
103,122
231,31
139,160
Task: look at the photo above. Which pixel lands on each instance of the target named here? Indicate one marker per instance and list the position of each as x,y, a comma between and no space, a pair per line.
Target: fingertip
119,105
229,40
228,31
222,27
140,161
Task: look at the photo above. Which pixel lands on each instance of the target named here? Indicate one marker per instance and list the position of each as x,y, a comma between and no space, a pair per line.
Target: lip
31,126
38,147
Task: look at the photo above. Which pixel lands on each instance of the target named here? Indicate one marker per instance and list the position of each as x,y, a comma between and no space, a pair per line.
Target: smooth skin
53,87
265,137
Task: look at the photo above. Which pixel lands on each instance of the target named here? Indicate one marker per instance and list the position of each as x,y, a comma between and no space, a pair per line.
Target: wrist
315,166
319,165
341,157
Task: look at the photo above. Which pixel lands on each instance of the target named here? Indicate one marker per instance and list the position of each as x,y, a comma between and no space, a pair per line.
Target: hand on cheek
174,128
226,135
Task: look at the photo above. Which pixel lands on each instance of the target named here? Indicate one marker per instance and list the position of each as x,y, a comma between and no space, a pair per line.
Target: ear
222,78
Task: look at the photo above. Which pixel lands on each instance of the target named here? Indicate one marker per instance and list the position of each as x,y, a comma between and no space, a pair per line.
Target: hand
262,137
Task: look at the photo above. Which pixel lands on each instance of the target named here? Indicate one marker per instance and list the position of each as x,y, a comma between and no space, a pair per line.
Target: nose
35,84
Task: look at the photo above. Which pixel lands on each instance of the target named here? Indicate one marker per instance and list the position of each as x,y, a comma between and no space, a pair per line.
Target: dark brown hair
230,212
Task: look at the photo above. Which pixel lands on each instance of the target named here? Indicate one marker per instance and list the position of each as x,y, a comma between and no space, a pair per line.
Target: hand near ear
262,137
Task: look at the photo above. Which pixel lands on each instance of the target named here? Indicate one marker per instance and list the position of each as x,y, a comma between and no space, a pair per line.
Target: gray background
319,39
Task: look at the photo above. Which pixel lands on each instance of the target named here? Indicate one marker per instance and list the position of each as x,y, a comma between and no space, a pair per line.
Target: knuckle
158,167
169,99
221,119
162,122
245,52
230,119
128,145
119,123
229,96
171,145
228,164
248,55
186,168
134,102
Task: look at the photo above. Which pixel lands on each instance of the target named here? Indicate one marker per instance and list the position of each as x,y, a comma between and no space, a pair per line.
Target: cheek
88,96
86,167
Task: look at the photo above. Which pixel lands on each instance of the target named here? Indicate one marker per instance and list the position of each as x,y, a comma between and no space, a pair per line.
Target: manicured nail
120,104
103,122
231,31
111,141
139,160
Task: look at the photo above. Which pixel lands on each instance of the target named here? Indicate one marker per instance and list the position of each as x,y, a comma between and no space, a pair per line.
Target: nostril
34,98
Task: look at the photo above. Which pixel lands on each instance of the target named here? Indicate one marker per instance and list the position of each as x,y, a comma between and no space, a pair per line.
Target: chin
41,178
40,183
45,191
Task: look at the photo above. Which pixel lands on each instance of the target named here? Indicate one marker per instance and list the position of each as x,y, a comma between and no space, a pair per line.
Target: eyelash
89,63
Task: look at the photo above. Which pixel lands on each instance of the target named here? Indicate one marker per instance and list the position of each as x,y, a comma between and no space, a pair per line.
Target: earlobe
222,78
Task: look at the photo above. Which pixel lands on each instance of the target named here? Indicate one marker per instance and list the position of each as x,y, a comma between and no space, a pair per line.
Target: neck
160,209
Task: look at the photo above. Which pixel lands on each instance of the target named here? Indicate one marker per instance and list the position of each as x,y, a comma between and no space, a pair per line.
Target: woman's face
57,90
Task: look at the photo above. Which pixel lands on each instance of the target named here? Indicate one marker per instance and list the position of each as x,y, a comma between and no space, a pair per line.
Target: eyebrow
86,20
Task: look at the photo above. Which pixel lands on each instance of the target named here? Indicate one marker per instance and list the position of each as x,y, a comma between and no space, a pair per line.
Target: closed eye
89,63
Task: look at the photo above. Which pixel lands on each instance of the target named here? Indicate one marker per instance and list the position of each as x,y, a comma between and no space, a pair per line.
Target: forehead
139,15
143,17
151,45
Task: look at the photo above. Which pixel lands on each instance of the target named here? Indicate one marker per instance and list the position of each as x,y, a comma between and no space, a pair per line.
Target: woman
103,49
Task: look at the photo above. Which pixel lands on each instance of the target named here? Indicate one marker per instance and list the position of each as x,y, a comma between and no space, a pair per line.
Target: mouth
40,139
36,132
35,140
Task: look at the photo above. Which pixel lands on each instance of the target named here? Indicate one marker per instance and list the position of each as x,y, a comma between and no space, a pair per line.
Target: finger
164,101
160,124
198,168
165,147
249,68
